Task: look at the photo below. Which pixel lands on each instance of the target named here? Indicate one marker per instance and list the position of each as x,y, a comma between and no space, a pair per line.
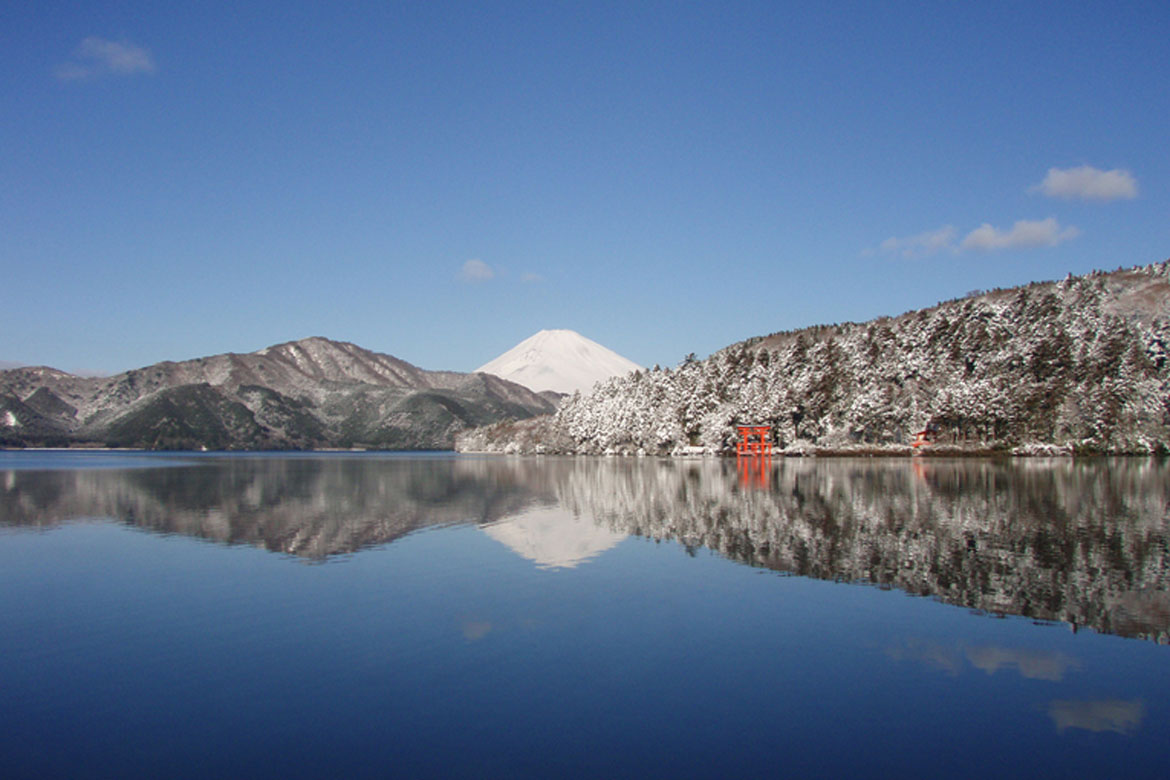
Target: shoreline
893,451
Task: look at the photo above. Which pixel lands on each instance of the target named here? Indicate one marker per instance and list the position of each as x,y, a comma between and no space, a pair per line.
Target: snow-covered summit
563,361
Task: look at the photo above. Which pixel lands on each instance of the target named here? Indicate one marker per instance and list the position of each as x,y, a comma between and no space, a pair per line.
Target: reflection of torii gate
754,455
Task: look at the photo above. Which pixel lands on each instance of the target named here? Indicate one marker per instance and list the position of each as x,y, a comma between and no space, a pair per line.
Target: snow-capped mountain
562,361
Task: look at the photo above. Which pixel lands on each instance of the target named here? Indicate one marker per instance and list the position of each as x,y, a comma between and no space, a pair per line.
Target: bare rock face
301,394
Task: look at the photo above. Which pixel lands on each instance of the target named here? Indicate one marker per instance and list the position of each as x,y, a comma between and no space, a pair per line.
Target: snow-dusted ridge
310,393
562,361
1076,366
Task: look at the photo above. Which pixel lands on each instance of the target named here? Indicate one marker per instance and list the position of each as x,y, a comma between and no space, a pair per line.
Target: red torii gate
753,440
754,455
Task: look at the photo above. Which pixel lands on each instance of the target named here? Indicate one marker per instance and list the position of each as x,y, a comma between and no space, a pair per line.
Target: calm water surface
427,616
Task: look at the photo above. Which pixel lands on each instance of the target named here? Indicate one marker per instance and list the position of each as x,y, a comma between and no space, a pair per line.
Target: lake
435,615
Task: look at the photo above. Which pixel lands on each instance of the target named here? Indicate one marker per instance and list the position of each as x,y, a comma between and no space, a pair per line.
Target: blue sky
440,180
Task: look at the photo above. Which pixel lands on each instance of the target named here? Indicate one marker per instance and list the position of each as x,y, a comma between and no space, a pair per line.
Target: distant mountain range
311,393
1080,365
559,361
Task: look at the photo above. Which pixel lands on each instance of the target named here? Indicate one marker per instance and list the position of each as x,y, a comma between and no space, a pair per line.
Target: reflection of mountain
311,507
1083,542
553,538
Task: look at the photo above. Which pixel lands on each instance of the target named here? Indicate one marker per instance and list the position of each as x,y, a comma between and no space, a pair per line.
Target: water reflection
755,471
1083,542
1116,715
553,538
312,508
1028,663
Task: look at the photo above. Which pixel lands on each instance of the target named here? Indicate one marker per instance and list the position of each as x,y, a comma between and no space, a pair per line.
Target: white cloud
1088,183
986,238
531,278
96,57
476,271
922,244
1025,233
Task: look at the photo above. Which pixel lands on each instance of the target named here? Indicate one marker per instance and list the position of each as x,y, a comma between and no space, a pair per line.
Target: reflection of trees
1082,542
1079,541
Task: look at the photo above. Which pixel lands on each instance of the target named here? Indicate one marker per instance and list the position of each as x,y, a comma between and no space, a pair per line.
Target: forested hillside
1079,365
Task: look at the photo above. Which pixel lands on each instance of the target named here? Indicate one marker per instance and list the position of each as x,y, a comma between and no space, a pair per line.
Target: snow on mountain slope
563,361
302,394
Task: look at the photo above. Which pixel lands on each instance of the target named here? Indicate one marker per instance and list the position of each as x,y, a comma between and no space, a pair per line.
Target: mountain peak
561,360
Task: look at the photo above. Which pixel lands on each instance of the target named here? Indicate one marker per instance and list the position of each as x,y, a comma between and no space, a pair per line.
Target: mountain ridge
312,392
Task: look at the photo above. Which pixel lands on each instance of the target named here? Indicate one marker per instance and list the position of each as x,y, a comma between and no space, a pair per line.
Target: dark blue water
460,617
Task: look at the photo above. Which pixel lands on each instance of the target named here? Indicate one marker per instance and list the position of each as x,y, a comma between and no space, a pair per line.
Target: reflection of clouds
474,630
936,655
1117,715
1031,664
552,537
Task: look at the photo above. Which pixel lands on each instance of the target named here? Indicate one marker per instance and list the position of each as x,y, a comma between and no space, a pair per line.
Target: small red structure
925,436
753,440
754,455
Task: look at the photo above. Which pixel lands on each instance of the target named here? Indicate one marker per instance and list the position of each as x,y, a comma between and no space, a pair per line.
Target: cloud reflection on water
1029,663
1120,716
